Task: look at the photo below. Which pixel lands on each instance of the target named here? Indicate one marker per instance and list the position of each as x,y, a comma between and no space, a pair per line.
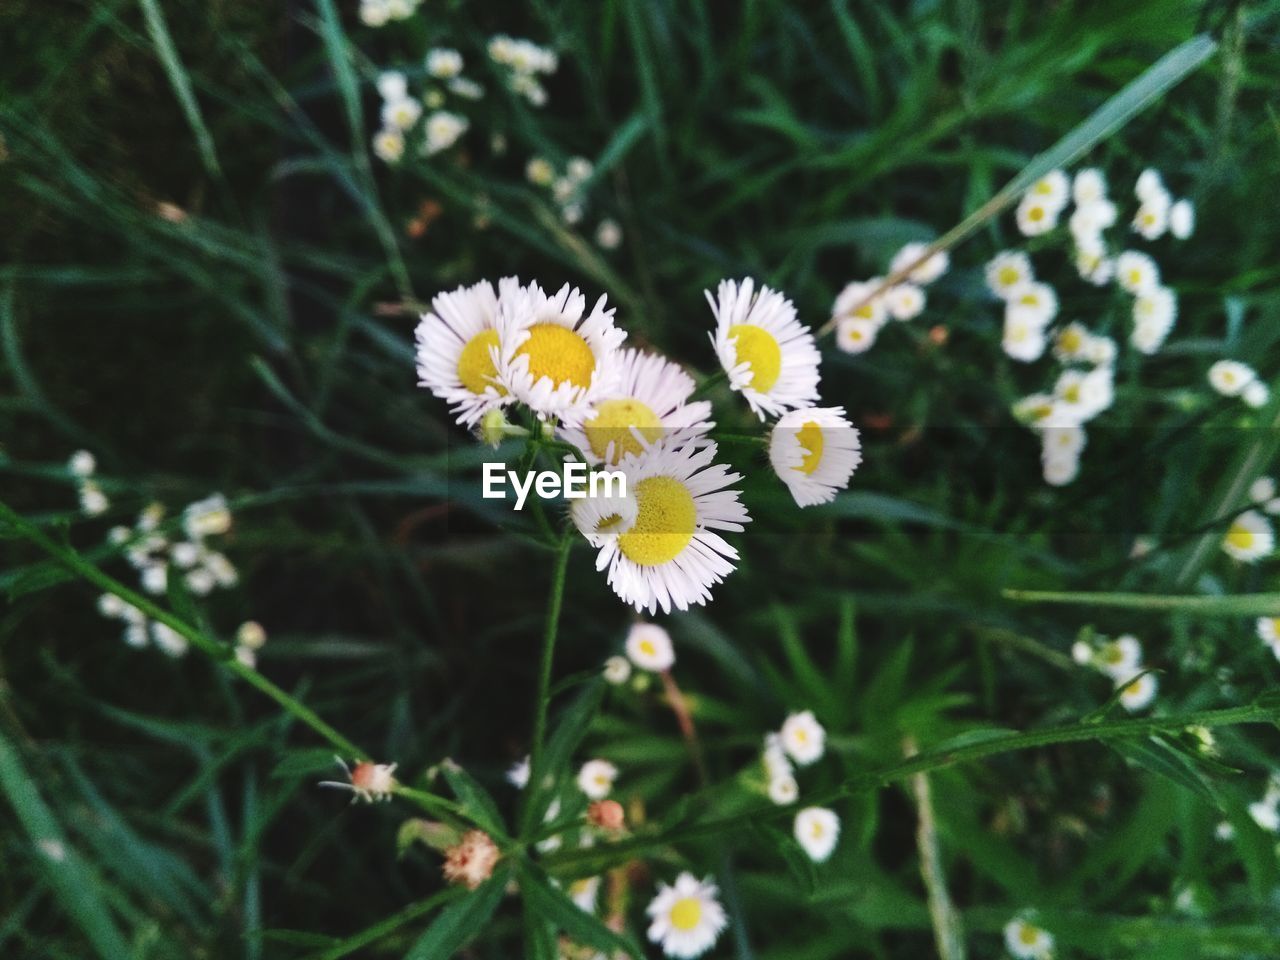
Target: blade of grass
1240,605
181,83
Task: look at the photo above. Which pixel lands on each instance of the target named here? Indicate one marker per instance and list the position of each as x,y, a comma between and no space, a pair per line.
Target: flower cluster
567,187
1120,660
402,112
484,351
378,13
1231,378
802,741
861,309
525,61
1266,812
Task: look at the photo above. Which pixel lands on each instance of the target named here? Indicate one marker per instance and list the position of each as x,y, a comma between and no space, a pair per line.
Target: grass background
249,348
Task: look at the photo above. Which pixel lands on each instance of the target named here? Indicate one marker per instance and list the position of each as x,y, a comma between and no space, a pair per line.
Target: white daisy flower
617,671
1152,219
852,303
1023,338
1136,272
1027,941
1059,471
443,63
783,790
1095,266
905,301
687,917
803,738
1089,186
817,830
401,114
1071,343
1082,396
1035,302
671,555
814,452
82,464
856,334
1230,377
1255,394
604,517
1154,313
584,892
1082,653
1249,538
649,647
650,401
1262,490
518,774
928,271
1033,409
1269,633
539,172
1265,815
1182,219
1008,271
552,358
393,86
465,88
1053,189
1062,440
1150,184
770,357
1139,694
1089,221
1121,658
168,639
596,777
579,169
457,346
443,129
1035,215
776,763
374,13
388,145
1100,351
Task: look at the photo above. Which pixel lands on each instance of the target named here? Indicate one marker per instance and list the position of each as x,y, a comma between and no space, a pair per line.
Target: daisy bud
596,777
784,790
617,670
607,815
251,634
471,862
82,463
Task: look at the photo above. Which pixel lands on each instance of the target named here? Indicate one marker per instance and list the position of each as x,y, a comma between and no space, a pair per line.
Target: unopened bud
607,815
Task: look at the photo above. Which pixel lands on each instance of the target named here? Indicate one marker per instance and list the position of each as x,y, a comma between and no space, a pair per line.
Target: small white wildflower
251,634
856,334
388,145
155,578
1149,184
1138,694
93,502
1089,186
649,647
905,301
1255,395
596,777
803,738
518,774
1035,216
1230,377
928,271
1182,219
1007,271
817,830
444,129
1249,538
1027,941
401,114
1023,338
1136,272
82,463
393,86
1059,471
443,63
207,518
468,89
687,917
617,670
167,639
608,234
783,790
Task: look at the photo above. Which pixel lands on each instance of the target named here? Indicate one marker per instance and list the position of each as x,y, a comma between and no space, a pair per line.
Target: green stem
1237,605
589,858
219,652
383,927
544,671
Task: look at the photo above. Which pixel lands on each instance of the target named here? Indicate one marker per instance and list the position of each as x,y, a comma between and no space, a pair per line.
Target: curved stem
218,651
544,670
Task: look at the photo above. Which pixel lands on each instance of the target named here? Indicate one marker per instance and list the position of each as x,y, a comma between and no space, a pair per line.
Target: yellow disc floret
665,519
559,354
686,913
810,437
1240,538
612,425
756,346
475,363
1008,276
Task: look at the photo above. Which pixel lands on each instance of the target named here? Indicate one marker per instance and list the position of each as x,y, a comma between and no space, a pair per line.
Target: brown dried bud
607,815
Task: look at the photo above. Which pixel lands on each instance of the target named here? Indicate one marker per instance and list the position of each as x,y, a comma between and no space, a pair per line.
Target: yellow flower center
1239,537
1135,278
1030,300
816,830
475,364
1072,393
1071,341
559,354
686,913
665,520
756,346
802,736
1035,214
810,437
1112,653
1008,276
1028,934
612,425
647,648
